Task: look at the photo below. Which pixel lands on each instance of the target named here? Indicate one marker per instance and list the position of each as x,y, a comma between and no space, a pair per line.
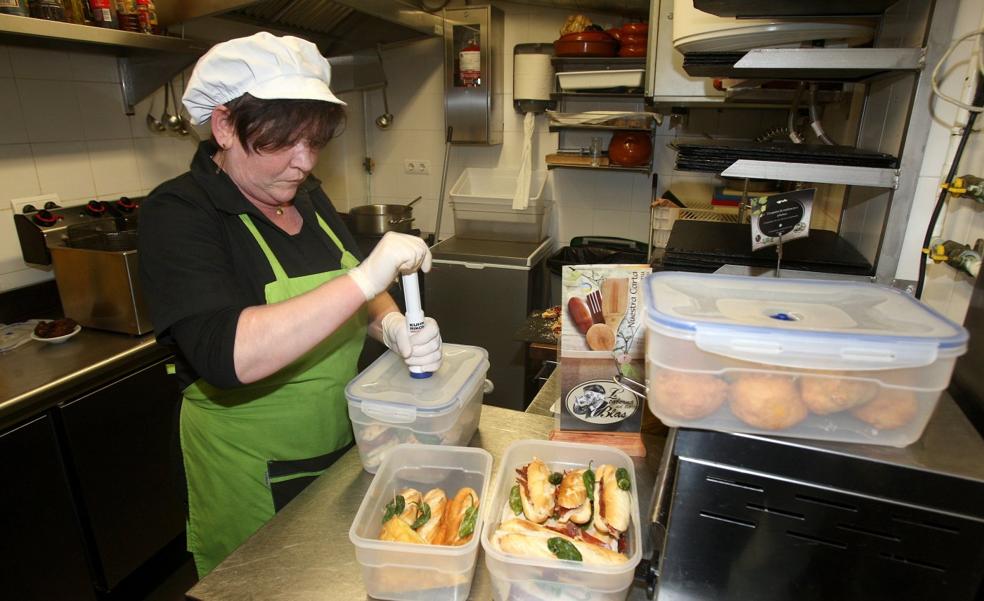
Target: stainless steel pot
376,220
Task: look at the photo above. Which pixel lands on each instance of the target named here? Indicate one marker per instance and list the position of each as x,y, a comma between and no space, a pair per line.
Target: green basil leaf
622,478
555,478
563,549
424,517
468,522
515,502
394,507
589,481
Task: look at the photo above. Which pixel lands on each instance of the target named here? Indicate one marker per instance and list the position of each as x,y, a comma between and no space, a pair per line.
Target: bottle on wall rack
15,7
104,13
77,11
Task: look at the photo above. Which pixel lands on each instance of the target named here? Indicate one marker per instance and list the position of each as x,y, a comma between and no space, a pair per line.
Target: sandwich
398,531
572,499
527,539
411,505
460,518
432,528
535,491
613,504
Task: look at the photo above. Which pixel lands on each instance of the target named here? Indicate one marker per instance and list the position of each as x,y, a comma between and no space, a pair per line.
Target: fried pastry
823,395
767,401
684,395
891,409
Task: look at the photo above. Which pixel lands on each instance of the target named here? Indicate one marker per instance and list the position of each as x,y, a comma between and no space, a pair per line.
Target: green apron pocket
289,477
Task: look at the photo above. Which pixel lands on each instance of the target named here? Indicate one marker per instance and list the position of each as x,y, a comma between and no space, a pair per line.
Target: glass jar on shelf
50,10
15,7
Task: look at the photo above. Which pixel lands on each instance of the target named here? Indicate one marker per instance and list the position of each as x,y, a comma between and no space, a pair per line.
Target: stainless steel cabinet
119,449
43,556
480,292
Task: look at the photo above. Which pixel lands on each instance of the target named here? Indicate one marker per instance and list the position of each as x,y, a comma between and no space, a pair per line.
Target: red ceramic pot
586,43
630,149
635,28
632,50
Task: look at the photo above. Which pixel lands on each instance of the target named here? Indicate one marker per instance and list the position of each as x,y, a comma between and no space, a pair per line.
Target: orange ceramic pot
630,149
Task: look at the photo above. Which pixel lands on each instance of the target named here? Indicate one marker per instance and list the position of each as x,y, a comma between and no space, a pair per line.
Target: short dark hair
264,125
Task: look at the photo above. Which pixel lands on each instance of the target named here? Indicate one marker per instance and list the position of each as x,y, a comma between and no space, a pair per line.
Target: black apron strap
289,477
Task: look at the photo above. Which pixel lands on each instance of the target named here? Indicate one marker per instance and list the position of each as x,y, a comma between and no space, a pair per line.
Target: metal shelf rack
145,61
840,64
814,173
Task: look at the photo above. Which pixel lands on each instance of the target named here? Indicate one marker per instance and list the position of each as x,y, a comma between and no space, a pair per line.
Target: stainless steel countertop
304,553
38,374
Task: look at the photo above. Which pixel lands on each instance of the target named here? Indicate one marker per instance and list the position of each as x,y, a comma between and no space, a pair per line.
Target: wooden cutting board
573,159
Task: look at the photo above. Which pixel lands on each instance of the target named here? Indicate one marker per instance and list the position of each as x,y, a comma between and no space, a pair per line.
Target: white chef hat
265,66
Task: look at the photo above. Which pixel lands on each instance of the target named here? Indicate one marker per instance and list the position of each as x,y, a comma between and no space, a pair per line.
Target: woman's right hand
394,255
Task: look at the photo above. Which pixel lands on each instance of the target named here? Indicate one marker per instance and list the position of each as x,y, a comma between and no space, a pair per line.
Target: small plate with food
55,331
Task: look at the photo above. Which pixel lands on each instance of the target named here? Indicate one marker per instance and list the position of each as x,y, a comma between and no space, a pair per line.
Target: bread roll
682,395
538,494
580,314
891,409
600,337
437,501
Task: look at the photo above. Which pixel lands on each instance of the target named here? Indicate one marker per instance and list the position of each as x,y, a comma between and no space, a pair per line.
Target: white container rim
539,180
565,564
436,550
661,323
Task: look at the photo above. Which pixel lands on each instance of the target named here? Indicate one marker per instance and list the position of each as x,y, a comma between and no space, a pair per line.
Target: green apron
245,447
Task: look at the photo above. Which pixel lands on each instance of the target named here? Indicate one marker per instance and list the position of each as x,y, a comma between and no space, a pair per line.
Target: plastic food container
600,80
515,577
388,407
404,571
822,359
482,203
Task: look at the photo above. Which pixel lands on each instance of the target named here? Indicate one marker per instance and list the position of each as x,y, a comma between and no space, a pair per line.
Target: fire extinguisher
470,64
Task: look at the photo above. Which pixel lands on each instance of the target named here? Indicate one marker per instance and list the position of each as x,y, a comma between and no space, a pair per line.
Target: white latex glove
421,349
394,255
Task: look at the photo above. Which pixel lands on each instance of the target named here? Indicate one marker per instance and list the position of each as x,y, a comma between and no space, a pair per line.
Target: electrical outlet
416,167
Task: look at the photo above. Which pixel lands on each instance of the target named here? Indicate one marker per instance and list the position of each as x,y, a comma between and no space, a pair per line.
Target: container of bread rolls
536,549
408,553
824,359
389,407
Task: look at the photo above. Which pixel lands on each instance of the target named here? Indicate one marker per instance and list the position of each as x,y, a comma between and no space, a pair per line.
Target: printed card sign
784,217
602,347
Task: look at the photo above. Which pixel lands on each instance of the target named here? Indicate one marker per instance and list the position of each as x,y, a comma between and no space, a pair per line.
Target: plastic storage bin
482,203
388,407
408,572
515,577
822,359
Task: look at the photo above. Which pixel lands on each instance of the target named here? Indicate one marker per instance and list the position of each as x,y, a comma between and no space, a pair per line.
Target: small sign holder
781,217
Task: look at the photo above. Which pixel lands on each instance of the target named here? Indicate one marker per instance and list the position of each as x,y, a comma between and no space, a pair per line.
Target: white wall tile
114,166
5,68
51,110
155,160
608,222
12,130
64,169
103,116
94,66
18,174
40,63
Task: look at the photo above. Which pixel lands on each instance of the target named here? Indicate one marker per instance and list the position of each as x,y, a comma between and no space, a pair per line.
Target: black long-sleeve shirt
200,266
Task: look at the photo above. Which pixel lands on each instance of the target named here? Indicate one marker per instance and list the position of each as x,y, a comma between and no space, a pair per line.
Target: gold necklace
280,211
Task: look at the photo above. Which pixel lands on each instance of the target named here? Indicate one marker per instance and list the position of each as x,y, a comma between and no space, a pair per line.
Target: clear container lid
815,324
385,390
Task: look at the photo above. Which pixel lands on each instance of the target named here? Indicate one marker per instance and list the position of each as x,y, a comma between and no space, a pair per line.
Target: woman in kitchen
253,279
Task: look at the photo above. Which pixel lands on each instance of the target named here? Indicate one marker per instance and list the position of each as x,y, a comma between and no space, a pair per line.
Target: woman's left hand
421,349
